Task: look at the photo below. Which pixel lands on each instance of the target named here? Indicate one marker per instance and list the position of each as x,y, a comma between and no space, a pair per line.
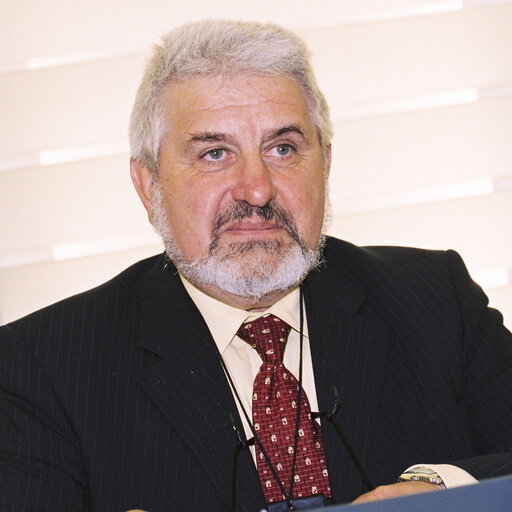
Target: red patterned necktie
274,413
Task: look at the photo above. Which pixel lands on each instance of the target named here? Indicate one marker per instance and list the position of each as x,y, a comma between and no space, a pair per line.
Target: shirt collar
224,320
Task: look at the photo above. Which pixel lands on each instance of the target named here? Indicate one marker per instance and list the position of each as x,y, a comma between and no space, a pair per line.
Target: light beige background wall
421,98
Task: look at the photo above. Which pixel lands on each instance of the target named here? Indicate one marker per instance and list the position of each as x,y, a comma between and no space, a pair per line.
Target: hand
385,492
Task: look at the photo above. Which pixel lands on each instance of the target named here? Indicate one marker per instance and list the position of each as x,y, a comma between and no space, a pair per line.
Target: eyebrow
291,128
201,137
209,137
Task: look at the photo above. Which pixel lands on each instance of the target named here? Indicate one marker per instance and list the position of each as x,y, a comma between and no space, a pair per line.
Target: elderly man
257,364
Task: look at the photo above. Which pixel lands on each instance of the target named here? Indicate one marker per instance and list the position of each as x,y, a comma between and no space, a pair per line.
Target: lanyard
287,494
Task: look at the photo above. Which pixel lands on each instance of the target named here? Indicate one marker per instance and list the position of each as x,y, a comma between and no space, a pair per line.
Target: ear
328,156
143,182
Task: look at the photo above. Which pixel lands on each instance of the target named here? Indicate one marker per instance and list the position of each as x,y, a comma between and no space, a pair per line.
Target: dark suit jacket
115,399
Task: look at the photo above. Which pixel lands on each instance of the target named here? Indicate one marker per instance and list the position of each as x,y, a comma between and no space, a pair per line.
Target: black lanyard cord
299,398
355,459
240,446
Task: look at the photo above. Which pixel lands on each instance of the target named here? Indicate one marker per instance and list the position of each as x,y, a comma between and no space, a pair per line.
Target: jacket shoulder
397,276
385,259
110,297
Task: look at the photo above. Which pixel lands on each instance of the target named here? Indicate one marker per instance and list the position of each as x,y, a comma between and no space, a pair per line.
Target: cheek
192,209
307,206
189,214
304,196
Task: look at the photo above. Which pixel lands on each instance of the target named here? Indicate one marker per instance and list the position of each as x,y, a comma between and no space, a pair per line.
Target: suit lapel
188,384
348,351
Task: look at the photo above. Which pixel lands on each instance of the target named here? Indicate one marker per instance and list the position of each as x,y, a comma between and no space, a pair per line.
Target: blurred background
421,99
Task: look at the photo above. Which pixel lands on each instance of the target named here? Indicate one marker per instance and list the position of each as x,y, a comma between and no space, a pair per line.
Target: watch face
425,471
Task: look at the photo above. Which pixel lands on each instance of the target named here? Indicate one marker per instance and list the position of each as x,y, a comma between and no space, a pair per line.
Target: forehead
205,102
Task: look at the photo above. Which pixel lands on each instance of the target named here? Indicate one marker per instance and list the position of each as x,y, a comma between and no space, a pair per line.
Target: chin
252,269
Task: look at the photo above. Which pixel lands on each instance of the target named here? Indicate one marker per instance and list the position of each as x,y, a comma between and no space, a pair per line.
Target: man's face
241,174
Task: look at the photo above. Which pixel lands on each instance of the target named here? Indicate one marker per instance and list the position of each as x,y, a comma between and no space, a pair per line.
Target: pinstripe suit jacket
114,399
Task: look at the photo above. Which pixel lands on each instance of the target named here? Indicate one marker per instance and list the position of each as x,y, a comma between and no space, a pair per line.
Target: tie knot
268,335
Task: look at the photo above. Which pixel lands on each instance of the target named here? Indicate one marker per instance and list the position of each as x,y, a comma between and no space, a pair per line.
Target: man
139,393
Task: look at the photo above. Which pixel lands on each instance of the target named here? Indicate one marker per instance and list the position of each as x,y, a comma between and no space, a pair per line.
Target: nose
254,181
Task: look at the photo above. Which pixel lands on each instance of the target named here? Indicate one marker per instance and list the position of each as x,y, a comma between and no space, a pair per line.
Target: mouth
256,227
246,223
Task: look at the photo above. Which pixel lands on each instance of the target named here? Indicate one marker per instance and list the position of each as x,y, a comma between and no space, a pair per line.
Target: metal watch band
422,474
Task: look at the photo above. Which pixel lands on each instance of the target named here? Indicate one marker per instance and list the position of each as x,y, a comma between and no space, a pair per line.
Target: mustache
243,210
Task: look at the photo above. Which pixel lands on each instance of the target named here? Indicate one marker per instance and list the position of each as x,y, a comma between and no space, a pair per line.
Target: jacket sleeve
41,467
487,371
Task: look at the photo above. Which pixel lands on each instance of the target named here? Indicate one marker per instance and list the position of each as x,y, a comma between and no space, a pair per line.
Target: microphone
241,444
331,418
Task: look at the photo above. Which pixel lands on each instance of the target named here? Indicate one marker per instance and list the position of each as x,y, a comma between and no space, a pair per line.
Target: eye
283,149
214,154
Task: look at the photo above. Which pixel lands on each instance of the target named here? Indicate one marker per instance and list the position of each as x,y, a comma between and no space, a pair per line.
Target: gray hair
218,47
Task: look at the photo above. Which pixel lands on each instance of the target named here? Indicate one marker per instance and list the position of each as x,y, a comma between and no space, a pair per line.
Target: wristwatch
422,474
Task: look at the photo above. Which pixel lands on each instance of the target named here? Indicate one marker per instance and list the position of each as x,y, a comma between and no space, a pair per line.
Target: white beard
249,269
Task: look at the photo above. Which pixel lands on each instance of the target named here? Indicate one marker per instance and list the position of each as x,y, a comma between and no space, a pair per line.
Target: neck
247,303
